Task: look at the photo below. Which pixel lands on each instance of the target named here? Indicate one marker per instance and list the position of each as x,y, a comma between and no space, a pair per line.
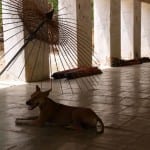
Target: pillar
29,66
137,29
145,33
84,19
127,29
130,29
107,30
79,12
115,26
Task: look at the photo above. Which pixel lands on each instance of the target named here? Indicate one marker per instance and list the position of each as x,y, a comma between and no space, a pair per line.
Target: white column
127,13
137,29
130,29
79,12
145,33
34,68
102,31
115,29
84,19
107,30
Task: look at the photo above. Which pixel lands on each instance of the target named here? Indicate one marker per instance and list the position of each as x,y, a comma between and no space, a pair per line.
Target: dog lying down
59,114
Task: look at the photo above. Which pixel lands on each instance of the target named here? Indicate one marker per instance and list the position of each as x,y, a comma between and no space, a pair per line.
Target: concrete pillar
80,11
84,19
137,29
115,27
145,33
130,29
107,30
33,66
102,31
127,29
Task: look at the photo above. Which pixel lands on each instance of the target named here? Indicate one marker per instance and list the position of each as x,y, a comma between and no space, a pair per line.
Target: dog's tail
99,126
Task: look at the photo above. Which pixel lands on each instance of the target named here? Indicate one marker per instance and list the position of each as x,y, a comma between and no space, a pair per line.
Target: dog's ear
46,93
37,88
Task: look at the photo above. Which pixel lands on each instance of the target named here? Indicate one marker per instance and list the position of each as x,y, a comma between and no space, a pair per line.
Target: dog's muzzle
31,104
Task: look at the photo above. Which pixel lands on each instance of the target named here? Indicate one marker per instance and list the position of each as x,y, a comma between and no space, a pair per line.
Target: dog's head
37,98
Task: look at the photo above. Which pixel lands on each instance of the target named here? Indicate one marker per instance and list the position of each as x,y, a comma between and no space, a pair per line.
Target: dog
77,117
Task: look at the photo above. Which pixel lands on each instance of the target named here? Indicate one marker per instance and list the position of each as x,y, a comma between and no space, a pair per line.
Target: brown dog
50,111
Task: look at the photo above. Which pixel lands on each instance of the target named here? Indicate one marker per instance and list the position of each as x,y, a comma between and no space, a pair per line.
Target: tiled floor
122,100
